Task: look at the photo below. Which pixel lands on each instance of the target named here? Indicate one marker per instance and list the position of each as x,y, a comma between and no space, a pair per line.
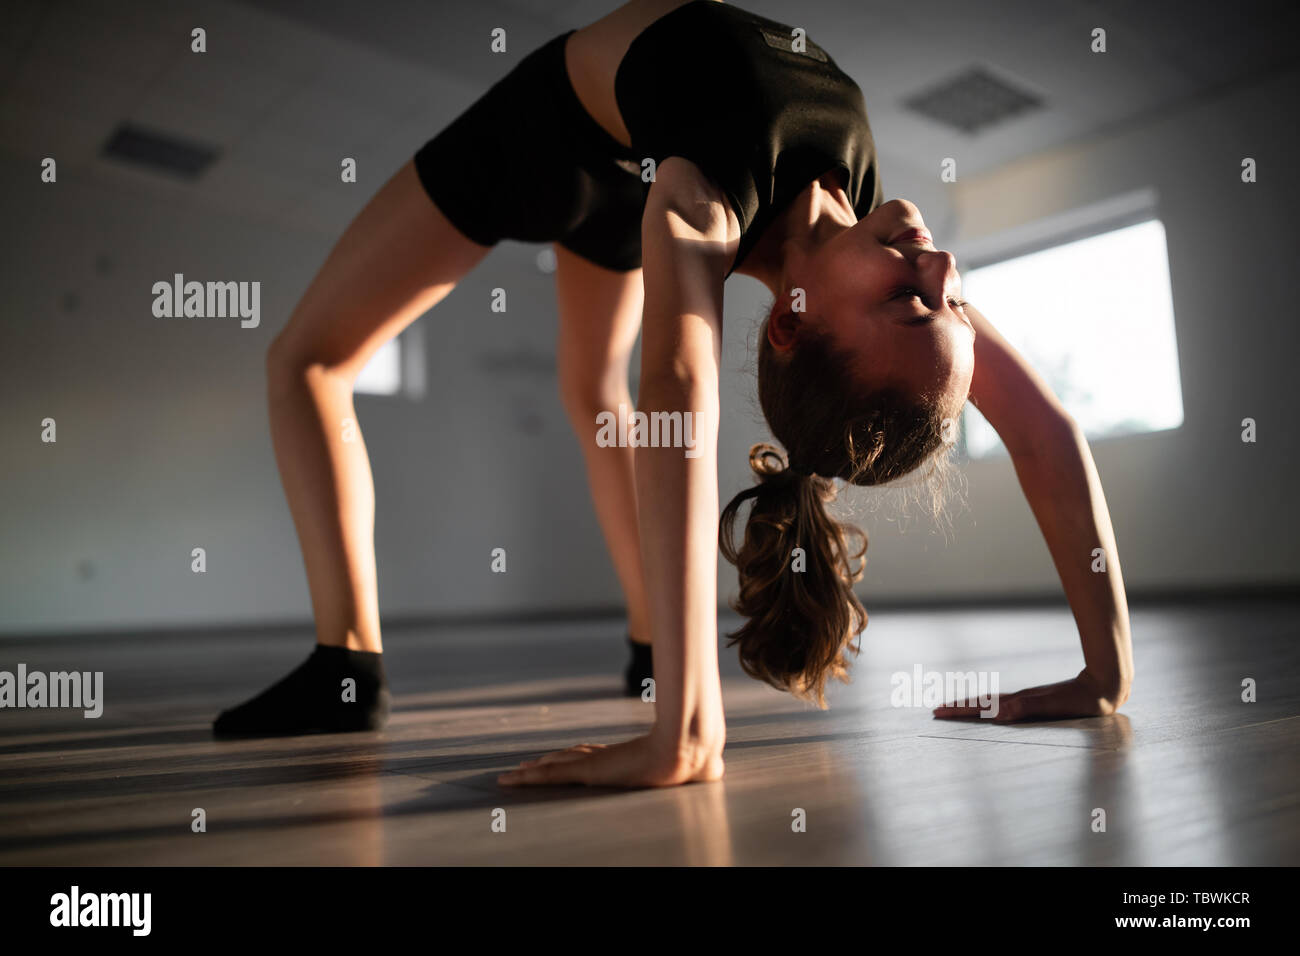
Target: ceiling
289,87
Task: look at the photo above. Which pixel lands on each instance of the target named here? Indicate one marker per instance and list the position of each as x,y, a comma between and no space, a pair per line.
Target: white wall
163,444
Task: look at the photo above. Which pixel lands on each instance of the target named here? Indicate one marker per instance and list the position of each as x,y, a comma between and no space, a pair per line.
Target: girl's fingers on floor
949,712
953,711
557,772
560,756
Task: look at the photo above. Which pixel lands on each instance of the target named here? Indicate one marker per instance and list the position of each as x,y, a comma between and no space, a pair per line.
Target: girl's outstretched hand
1080,696
641,762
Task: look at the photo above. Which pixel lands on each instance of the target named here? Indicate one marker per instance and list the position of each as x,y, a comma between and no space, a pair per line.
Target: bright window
382,375
397,367
1095,318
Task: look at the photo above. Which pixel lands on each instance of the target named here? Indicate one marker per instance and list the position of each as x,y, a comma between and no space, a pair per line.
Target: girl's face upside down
885,295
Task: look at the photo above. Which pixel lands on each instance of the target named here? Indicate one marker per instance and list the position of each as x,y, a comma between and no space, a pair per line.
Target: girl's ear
783,329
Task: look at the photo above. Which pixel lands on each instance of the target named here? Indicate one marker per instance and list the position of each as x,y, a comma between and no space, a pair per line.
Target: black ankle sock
639,668
314,699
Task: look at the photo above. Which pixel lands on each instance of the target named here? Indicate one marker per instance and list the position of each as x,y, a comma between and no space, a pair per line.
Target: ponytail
796,566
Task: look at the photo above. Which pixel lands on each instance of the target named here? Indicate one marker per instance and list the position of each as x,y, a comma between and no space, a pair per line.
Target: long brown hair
802,614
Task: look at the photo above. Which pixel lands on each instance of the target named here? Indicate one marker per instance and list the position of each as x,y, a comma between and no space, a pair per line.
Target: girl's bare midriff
593,54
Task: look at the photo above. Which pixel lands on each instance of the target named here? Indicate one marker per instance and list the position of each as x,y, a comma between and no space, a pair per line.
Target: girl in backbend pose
764,165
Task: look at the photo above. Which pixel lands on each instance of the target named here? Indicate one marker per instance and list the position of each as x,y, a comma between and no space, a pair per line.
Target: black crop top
723,88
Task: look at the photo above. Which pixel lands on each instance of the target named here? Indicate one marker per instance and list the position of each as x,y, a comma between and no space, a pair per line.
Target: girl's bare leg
600,315
397,259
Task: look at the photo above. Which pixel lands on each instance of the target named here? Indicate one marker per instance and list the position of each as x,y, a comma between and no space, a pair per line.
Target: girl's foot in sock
315,698
639,668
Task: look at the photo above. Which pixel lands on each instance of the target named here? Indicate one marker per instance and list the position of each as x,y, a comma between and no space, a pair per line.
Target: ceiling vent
972,101
159,152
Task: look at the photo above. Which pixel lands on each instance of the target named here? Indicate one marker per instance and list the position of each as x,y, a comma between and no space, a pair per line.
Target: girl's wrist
1112,686
694,729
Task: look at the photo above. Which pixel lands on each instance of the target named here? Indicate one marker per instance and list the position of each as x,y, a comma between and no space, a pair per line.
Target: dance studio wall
163,444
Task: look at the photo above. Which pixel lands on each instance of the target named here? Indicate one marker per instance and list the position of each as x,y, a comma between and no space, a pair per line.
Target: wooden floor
1189,775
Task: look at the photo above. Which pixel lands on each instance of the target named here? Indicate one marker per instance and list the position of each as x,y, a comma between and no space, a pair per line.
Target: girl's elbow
1045,437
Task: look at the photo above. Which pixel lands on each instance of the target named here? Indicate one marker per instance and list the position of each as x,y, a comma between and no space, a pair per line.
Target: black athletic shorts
526,161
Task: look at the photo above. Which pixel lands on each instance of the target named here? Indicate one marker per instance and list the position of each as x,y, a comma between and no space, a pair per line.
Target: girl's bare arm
1060,482
689,237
